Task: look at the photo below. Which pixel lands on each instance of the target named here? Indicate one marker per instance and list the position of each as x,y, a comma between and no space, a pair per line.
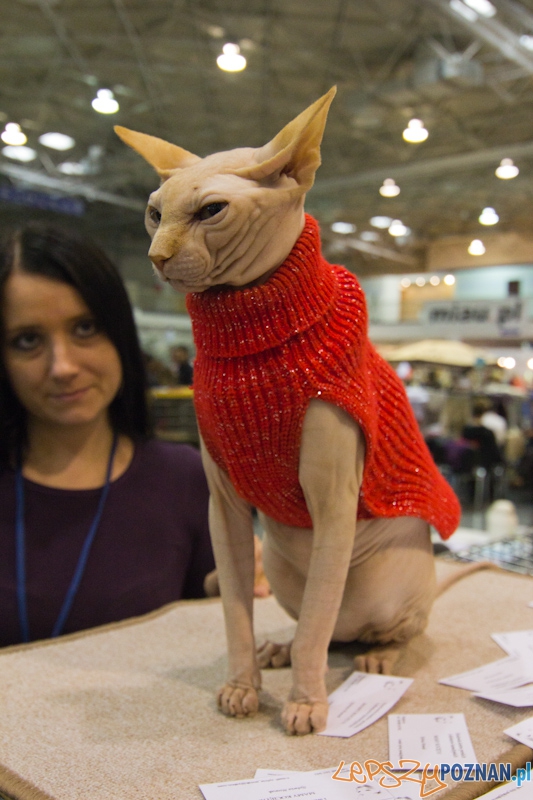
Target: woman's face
63,369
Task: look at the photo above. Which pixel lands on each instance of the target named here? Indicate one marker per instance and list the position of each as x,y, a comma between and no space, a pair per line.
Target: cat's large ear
163,156
296,148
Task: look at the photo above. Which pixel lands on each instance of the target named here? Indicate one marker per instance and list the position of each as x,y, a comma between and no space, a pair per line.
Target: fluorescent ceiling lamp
231,60
475,248
483,7
72,168
464,11
526,41
19,152
380,222
343,227
57,141
13,135
389,188
506,170
415,132
397,228
105,102
488,217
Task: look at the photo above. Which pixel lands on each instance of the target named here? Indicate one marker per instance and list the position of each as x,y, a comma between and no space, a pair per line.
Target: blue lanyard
82,561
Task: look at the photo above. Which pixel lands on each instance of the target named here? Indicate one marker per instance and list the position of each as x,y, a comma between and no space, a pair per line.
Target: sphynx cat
223,228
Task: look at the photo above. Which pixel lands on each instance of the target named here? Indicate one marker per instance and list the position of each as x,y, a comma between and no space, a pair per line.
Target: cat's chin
185,288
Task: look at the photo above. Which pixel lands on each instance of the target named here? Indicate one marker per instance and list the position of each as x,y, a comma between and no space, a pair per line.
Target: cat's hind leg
389,591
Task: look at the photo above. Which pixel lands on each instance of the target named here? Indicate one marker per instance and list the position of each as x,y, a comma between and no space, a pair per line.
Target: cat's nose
159,257
159,262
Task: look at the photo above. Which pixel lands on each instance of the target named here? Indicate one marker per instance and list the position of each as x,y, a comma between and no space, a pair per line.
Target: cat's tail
459,574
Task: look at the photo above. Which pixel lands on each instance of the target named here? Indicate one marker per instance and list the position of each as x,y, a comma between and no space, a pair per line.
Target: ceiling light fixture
488,216
57,141
389,188
434,280
449,280
369,236
415,132
19,152
464,11
420,281
343,227
482,7
231,60
380,222
476,247
105,102
397,228
13,135
405,283
507,169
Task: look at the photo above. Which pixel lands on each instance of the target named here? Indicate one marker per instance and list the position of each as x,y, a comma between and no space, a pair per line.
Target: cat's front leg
330,479
231,527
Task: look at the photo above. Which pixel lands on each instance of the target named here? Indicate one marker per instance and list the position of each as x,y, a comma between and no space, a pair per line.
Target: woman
98,521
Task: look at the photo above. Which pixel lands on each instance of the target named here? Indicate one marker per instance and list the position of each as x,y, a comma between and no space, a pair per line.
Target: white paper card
494,677
516,643
408,789
510,791
316,786
430,739
361,700
521,697
523,733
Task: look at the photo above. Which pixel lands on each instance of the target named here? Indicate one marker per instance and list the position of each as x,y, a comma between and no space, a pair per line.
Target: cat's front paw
238,700
300,718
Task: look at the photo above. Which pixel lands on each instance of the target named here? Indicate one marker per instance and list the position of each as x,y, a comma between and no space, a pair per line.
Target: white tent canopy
448,352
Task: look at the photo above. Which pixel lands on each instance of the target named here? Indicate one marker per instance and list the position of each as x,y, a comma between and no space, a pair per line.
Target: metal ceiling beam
381,252
142,65
61,186
491,31
425,169
61,33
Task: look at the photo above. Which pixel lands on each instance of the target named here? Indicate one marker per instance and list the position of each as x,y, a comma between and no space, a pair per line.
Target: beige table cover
127,712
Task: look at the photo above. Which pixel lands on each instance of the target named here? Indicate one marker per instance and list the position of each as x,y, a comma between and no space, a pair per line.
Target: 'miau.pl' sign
507,316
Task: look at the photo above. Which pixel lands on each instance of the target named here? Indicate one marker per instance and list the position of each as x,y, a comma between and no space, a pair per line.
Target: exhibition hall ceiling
464,68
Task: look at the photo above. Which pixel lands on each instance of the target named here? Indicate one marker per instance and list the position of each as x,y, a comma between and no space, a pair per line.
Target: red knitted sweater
264,352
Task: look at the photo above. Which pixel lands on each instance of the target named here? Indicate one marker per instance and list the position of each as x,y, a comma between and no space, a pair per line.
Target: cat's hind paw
237,701
274,655
379,660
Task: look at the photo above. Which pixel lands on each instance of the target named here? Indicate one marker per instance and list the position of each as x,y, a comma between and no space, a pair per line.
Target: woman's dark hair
58,254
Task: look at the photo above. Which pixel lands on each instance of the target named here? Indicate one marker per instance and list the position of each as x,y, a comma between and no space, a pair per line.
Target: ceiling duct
437,71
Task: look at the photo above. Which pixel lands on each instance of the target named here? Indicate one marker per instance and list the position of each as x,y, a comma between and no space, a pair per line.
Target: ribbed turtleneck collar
230,322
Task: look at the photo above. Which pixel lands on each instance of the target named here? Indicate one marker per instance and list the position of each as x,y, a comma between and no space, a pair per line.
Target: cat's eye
154,214
210,210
